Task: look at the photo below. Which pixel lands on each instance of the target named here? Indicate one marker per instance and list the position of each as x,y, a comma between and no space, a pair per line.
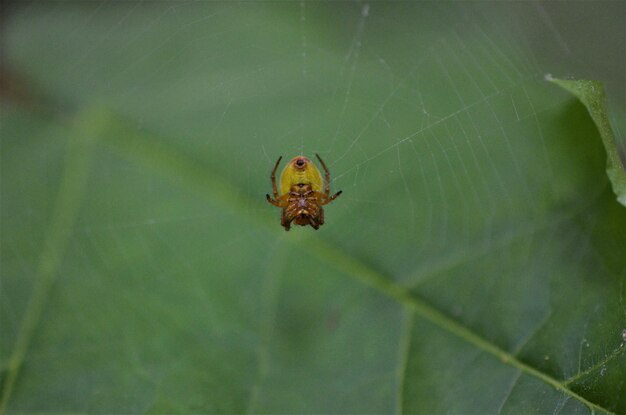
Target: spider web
435,122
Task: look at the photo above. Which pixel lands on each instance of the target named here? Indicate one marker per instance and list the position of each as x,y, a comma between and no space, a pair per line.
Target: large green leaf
474,264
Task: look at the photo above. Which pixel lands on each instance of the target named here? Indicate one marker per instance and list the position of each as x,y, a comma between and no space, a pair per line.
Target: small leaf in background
474,263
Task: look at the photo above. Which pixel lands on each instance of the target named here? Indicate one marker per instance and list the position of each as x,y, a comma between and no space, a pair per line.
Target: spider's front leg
274,187
325,197
326,175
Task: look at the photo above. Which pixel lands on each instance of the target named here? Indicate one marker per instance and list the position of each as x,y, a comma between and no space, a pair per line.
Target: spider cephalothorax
301,195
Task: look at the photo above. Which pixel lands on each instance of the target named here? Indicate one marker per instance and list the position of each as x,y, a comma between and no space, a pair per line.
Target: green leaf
473,264
591,94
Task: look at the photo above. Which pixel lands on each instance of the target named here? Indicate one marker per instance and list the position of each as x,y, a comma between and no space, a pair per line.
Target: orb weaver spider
301,197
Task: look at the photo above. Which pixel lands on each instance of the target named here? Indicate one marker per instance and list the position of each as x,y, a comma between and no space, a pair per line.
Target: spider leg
272,201
321,216
273,177
280,201
286,222
333,197
326,175
313,223
324,200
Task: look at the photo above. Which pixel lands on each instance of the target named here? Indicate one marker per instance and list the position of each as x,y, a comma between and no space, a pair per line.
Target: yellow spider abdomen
300,170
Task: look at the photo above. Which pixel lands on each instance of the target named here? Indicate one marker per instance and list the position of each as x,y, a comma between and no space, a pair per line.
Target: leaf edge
592,95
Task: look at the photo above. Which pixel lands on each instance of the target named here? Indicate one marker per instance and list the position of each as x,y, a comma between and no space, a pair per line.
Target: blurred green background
474,263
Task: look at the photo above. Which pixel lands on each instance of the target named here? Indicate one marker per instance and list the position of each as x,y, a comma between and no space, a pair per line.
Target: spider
301,197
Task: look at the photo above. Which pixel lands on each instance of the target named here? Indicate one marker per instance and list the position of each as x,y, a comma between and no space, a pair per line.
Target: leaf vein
72,185
403,357
611,356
